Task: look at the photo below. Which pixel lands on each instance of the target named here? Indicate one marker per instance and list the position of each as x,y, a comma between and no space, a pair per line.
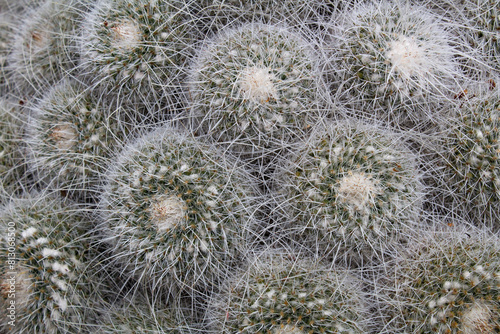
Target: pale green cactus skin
394,60
176,211
49,275
44,49
255,88
71,136
279,294
137,49
472,158
353,188
447,282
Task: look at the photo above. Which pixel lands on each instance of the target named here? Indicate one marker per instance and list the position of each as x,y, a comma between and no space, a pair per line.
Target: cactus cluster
448,282
255,88
175,210
71,136
394,59
279,294
352,187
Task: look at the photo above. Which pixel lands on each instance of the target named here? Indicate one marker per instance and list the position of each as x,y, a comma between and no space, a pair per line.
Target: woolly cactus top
276,294
395,56
71,136
136,48
261,80
45,272
350,185
448,282
177,209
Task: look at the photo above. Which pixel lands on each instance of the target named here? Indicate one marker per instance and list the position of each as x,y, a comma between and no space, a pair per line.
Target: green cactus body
136,49
472,152
43,270
449,282
351,187
396,59
71,136
44,49
255,88
175,211
11,158
279,295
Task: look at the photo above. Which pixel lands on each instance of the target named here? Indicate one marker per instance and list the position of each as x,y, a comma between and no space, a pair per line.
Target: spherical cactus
11,157
351,189
71,136
281,295
255,88
6,37
175,211
471,152
44,49
136,49
395,60
446,282
44,279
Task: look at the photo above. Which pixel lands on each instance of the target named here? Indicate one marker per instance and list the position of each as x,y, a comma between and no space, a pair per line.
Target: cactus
394,60
471,154
175,211
71,137
11,157
448,281
282,295
255,88
136,49
353,188
43,270
44,49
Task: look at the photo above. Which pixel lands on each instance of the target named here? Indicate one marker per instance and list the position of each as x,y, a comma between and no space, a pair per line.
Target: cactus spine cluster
70,137
43,269
278,294
352,187
447,282
255,88
176,210
136,49
395,58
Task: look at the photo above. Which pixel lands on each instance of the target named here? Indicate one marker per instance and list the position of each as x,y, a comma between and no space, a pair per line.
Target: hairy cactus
44,49
71,136
255,88
281,295
11,158
44,279
472,155
175,211
136,49
446,282
353,188
395,60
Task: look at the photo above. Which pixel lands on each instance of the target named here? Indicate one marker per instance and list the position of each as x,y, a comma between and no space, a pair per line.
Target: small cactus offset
395,60
446,282
71,136
279,294
255,88
472,158
136,49
353,188
43,270
175,211
44,48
